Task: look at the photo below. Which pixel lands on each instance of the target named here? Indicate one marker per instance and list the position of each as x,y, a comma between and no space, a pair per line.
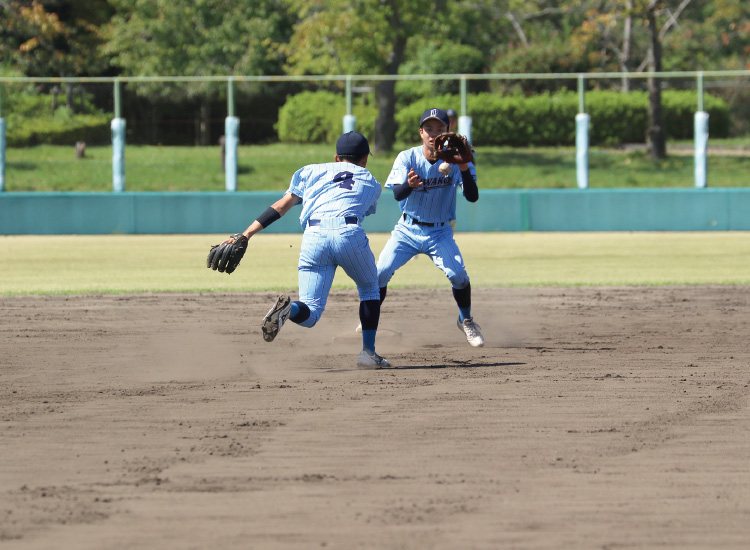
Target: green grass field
176,263
129,263
270,167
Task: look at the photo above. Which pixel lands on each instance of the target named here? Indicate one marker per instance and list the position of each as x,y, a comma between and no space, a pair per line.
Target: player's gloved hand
453,148
226,256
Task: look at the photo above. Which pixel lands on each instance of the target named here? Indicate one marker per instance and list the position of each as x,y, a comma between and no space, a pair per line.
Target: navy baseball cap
352,143
451,112
437,114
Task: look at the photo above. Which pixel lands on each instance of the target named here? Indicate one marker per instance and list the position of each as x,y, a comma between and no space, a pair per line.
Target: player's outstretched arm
271,214
225,257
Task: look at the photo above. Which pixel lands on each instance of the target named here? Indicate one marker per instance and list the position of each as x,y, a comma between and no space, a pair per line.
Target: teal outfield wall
725,209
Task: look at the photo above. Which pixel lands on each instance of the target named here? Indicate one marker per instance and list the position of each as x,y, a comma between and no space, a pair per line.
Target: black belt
351,220
424,224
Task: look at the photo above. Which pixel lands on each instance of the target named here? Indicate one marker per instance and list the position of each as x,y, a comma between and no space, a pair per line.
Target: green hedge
317,117
498,120
545,119
32,120
93,129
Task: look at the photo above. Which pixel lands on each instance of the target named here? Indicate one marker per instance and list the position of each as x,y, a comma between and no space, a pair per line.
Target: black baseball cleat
276,317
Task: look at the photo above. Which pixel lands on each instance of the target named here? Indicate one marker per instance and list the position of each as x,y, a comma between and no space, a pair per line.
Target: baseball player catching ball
335,198
427,198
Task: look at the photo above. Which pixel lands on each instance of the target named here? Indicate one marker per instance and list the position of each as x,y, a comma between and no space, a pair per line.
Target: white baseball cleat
472,331
367,360
276,317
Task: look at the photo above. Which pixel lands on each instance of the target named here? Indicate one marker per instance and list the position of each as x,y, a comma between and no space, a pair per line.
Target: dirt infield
603,418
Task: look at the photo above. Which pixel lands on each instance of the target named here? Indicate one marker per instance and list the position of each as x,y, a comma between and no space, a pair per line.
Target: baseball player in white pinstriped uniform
335,199
427,200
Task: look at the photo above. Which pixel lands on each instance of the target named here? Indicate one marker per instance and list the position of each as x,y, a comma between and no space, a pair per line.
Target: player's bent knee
384,278
315,315
459,282
369,293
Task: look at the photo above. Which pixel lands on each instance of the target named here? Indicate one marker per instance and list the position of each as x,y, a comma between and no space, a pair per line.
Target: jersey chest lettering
435,183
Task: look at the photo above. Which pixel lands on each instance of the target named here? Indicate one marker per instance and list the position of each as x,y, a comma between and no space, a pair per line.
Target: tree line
384,37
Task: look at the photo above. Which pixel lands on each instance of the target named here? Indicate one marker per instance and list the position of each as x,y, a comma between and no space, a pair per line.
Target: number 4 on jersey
345,180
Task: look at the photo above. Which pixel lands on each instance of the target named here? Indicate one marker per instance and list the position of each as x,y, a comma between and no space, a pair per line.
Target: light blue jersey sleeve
400,170
296,185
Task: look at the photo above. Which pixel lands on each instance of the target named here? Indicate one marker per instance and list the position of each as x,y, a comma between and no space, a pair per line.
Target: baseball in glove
225,257
453,148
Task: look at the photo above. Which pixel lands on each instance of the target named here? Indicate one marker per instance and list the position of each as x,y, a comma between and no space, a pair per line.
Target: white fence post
582,150
350,123
118,143
464,126
231,142
701,149
118,155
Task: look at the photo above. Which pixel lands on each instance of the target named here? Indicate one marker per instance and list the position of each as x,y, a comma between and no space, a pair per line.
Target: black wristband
268,216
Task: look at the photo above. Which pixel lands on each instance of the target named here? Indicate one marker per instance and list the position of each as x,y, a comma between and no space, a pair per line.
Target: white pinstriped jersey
435,201
335,190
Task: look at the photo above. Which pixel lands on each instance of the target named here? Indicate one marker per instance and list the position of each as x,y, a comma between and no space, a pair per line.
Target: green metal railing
349,80
232,125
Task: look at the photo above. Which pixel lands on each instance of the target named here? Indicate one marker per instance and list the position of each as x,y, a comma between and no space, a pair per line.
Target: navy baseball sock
463,300
369,316
299,313
368,339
